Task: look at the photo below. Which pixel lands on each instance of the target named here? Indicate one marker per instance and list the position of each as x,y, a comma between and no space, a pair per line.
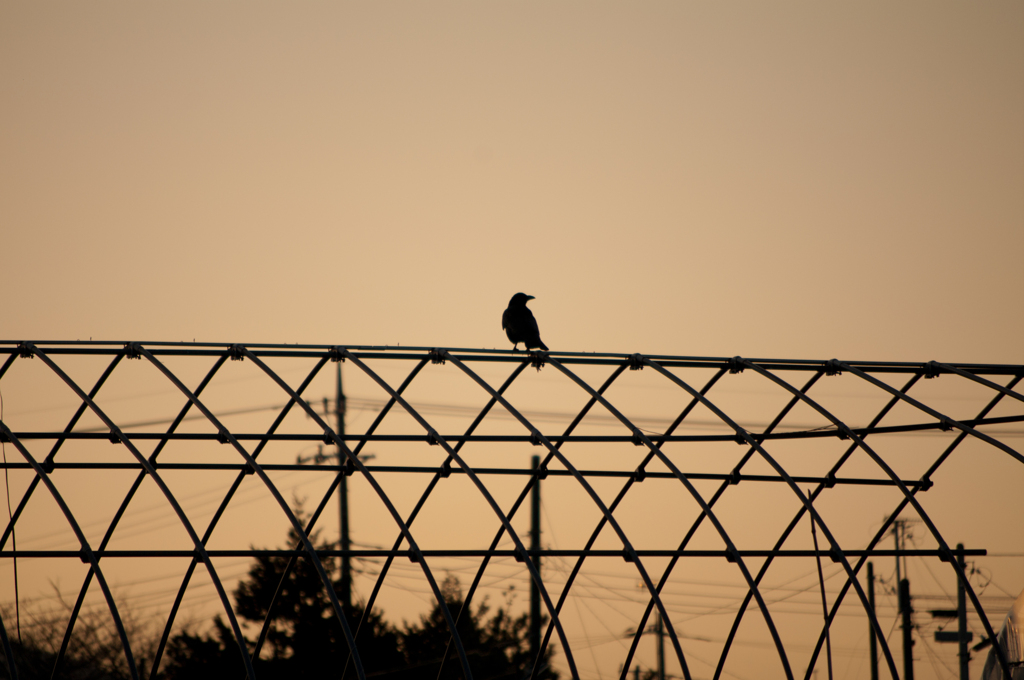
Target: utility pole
346,560
898,529
659,630
535,558
345,469
961,635
908,640
872,635
961,609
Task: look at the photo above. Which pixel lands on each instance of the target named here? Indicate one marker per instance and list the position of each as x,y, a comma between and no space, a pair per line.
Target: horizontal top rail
547,552
817,433
102,347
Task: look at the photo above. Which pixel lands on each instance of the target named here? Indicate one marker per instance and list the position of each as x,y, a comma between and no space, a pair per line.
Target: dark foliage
304,637
495,647
94,653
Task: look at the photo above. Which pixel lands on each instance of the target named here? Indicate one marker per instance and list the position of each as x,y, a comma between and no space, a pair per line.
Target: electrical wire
251,494
650,425
935,660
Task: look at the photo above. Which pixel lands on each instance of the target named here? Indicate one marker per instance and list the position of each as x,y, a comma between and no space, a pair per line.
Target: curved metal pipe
467,601
116,431
257,470
211,526
615,503
1006,391
730,546
34,483
920,510
885,468
902,504
353,457
433,436
522,497
742,433
390,558
328,431
87,552
711,503
323,503
795,521
56,446
976,373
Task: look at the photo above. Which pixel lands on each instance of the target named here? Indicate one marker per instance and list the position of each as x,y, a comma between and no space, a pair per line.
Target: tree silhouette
496,647
304,637
95,651
303,634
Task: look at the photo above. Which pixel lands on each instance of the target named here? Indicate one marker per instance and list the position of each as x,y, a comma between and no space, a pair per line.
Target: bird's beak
530,297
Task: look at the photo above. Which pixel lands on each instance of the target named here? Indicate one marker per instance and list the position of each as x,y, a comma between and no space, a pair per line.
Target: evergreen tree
304,637
496,647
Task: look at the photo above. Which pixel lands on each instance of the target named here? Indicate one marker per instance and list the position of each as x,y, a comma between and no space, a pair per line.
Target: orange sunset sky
788,179
794,180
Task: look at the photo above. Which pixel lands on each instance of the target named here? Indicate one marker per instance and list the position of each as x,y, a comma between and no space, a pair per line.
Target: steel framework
660,455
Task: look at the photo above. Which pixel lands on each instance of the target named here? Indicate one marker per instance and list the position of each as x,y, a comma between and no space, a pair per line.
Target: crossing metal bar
667,452
875,625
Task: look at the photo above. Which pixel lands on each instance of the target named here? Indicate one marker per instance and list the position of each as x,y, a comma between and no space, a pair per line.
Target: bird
519,324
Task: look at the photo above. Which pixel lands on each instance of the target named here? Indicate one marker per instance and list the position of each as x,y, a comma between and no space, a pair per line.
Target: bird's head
520,299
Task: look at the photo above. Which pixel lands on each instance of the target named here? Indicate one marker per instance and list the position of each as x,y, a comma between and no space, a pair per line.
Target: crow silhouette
519,324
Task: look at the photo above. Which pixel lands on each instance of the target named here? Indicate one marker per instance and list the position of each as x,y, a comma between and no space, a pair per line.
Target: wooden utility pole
961,610
873,636
908,640
898,529
535,558
961,636
659,630
346,560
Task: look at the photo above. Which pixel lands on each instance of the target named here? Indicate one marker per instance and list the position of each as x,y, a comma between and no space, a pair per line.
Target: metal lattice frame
554,462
